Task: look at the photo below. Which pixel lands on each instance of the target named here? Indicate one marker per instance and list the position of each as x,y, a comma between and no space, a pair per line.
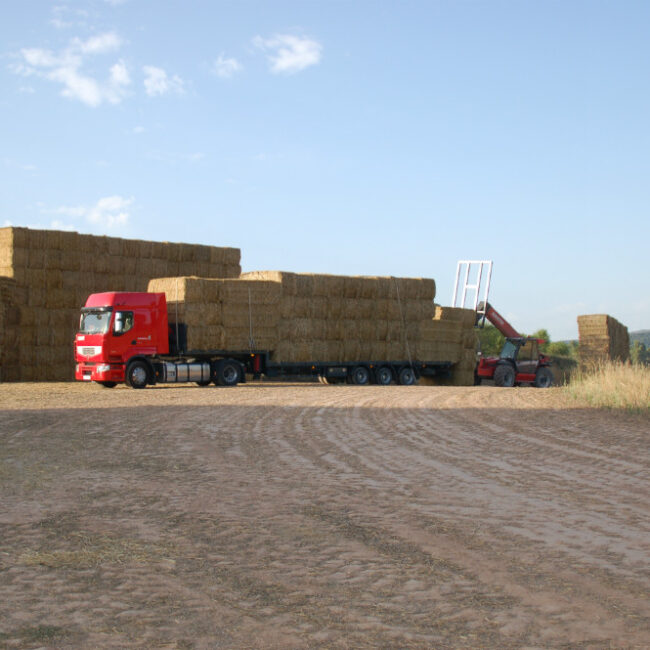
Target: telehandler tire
504,376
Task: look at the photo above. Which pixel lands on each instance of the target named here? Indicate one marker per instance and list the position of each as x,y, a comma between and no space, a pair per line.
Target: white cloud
157,82
226,68
64,67
289,54
137,130
108,213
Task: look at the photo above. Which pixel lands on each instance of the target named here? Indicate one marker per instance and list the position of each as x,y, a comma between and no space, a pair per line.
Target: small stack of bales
602,338
335,318
59,270
222,314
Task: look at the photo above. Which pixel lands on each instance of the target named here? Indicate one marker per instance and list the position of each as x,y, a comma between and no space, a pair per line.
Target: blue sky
378,138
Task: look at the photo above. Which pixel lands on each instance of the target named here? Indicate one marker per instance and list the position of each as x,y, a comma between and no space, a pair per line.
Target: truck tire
504,376
205,382
543,377
227,373
360,376
384,376
107,384
406,376
137,374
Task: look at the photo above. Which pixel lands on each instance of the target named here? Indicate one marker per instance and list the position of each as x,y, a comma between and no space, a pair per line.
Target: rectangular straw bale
432,330
327,286
349,328
465,316
304,285
377,351
238,338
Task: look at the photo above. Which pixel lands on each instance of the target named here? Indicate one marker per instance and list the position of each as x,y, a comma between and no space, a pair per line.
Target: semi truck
125,337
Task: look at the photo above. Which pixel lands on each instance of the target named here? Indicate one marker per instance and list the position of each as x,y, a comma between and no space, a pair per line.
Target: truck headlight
103,368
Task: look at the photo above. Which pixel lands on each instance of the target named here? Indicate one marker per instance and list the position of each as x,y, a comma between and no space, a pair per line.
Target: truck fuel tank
179,373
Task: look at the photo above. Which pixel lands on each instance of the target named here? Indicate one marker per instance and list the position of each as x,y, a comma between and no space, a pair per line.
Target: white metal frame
481,266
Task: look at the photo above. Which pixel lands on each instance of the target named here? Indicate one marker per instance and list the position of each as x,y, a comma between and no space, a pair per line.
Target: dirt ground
306,516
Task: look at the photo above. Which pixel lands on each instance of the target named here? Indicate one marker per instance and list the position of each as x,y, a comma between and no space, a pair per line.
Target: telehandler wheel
107,384
406,376
384,376
360,376
227,373
504,376
137,374
543,377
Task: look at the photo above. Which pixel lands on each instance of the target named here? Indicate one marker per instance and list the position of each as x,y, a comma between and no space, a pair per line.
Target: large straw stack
58,270
602,338
223,314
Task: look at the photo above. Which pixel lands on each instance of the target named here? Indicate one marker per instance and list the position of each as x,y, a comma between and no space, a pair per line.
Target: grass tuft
612,385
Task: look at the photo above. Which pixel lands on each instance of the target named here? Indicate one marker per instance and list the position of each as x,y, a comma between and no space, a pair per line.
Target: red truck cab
115,328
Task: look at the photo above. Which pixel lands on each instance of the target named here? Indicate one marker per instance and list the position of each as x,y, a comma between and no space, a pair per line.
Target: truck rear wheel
137,374
360,376
504,376
543,377
384,376
406,376
227,373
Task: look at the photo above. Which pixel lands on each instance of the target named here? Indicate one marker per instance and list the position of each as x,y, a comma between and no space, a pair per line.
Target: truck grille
88,350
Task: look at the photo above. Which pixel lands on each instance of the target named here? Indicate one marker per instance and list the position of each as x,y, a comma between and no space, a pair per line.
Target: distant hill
641,335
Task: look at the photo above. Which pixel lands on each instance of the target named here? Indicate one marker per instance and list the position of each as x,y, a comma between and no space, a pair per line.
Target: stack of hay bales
221,314
602,338
336,318
11,299
451,336
58,270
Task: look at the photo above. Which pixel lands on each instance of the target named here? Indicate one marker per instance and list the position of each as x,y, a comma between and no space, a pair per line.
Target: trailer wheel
384,376
504,376
107,384
543,377
406,376
227,373
360,376
137,374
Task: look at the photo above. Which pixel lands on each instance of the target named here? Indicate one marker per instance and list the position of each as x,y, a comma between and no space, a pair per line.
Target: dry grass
612,385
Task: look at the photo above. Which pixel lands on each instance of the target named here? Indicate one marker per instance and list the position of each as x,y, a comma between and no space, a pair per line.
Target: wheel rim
138,376
230,374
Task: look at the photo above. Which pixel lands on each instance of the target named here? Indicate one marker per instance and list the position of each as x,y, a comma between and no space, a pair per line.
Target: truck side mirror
119,323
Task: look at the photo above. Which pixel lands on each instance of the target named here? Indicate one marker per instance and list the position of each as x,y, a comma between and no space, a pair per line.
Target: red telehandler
520,361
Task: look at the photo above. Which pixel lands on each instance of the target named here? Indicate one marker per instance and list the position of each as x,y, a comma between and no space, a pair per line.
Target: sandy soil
293,516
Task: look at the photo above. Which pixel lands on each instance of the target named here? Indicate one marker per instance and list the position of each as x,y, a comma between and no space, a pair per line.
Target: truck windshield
95,321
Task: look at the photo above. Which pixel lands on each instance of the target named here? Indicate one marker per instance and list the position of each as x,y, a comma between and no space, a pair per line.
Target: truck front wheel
137,374
504,376
226,373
